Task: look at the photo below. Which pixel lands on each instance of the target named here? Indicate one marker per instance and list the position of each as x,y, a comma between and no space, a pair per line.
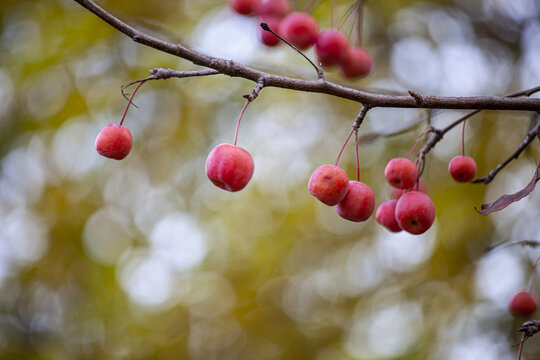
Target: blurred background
145,259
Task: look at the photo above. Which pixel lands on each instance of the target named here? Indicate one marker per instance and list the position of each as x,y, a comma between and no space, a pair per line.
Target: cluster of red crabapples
302,31
413,212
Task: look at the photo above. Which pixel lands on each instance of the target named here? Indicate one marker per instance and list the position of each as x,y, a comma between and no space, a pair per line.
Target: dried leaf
506,200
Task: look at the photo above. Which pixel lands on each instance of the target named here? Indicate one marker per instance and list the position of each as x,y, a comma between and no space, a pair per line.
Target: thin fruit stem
417,141
265,27
130,100
359,22
333,9
238,122
357,157
531,275
345,144
463,136
521,346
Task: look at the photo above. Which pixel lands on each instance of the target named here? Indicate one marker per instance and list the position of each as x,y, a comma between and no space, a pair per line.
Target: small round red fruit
357,63
278,8
229,167
523,303
462,168
243,7
386,215
401,173
415,212
358,203
299,29
331,47
266,37
329,184
114,141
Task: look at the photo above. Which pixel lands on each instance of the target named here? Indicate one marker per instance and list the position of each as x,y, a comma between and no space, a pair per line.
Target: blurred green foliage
145,259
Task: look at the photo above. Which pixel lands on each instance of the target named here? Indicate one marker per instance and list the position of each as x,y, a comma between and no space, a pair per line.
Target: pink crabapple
415,212
401,173
523,303
243,7
386,215
266,37
114,141
357,63
329,184
278,8
331,47
300,29
229,167
358,203
462,168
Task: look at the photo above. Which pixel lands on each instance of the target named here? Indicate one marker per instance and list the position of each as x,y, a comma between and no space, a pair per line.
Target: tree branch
438,134
235,69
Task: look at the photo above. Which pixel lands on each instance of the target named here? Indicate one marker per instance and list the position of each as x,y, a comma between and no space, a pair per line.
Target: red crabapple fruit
266,37
244,7
229,167
415,212
331,47
401,173
329,184
358,203
114,141
299,29
523,303
462,168
386,215
278,8
357,63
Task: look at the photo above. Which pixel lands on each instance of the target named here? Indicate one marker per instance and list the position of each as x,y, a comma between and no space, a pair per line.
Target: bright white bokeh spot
482,346
466,70
178,241
499,275
226,35
73,148
389,332
364,270
24,237
147,280
403,251
415,63
23,174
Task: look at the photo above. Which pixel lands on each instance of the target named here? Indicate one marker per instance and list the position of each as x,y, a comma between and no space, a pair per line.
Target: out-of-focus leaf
506,200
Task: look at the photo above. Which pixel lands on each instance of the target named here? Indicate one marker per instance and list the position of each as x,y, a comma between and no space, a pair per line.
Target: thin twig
531,135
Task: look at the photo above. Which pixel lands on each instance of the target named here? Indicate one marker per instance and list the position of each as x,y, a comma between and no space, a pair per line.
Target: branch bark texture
371,100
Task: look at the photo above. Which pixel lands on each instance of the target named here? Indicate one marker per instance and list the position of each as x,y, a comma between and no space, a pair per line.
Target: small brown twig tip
417,97
265,27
